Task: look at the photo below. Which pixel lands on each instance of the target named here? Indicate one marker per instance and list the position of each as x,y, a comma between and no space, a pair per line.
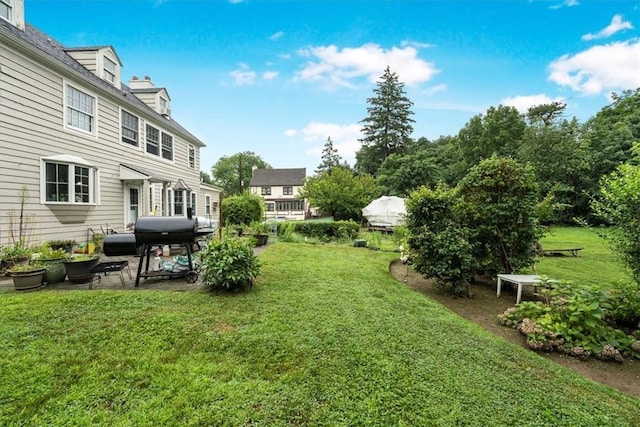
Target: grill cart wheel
191,277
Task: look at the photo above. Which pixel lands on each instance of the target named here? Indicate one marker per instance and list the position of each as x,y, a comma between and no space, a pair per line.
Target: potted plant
78,267
16,254
98,240
260,232
52,260
27,276
66,245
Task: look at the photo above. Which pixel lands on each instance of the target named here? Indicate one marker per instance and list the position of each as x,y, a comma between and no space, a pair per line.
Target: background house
279,189
89,149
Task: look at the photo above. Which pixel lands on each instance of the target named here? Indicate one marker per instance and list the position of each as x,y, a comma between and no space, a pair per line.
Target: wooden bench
560,252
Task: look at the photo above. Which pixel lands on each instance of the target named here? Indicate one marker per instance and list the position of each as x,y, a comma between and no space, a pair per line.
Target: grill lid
165,229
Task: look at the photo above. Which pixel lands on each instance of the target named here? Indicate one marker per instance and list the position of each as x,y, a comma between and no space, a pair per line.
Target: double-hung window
109,70
129,128
265,191
207,205
192,157
178,202
5,10
81,110
153,140
287,191
167,146
69,183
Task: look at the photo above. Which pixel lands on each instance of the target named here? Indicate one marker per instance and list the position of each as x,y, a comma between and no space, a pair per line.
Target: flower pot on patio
55,271
78,268
27,277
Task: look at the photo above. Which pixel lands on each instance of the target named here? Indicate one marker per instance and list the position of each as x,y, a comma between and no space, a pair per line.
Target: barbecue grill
155,231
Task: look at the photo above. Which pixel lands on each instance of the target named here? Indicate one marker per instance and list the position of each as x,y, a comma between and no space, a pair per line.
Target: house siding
32,126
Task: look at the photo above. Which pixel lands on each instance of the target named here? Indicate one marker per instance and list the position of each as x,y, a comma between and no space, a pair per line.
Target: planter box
27,280
80,271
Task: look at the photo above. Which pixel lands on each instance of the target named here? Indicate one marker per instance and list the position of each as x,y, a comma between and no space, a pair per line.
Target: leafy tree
440,243
610,134
399,174
619,203
552,146
242,209
499,197
233,173
387,128
340,194
330,158
205,177
498,132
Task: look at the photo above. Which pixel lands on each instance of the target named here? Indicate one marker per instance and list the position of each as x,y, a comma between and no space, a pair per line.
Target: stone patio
112,281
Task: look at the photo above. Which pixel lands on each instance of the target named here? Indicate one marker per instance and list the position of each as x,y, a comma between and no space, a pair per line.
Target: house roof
54,53
264,177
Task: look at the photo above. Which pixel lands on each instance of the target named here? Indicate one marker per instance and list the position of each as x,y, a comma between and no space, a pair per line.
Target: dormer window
110,73
5,10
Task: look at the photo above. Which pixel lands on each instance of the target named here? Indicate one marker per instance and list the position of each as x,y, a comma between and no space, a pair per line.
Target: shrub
326,230
242,209
229,264
439,244
499,198
576,320
619,203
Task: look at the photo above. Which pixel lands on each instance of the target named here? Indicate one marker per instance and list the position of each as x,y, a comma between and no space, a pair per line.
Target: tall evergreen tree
388,127
330,158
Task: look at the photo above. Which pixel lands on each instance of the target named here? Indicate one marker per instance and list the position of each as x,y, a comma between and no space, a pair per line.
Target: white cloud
523,102
243,76
344,137
434,89
566,3
415,44
290,133
609,67
270,75
617,24
336,67
276,36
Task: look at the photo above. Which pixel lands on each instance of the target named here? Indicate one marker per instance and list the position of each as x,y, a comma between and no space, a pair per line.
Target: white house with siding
89,149
279,188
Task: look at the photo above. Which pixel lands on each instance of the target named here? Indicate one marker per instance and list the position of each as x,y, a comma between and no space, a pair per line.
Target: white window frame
146,140
287,191
265,191
93,183
8,4
109,75
191,156
193,203
164,134
207,205
93,115
122,127
182,203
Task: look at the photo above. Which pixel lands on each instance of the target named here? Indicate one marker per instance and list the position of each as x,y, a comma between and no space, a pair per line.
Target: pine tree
330,158
388,127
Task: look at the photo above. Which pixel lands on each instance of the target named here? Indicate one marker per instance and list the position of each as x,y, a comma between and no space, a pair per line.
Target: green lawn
326,337
594,265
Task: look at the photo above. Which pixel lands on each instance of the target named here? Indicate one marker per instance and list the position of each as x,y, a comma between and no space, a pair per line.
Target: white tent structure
385,212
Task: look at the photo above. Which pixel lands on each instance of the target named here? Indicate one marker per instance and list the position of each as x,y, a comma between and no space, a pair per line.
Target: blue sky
278,77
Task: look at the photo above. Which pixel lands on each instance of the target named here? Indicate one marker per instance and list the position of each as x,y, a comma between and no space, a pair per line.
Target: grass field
326,337
594,265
